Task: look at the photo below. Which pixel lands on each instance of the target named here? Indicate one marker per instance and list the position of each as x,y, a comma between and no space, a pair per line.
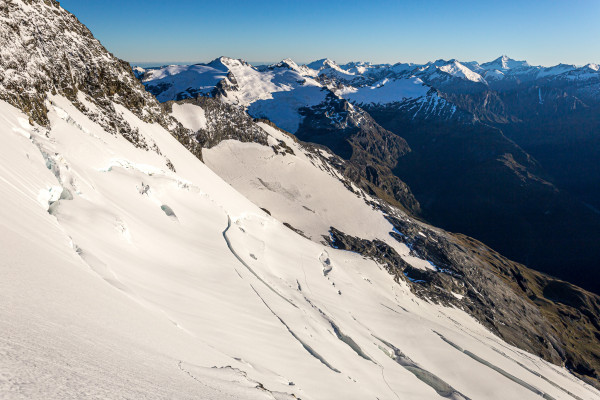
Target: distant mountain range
503,151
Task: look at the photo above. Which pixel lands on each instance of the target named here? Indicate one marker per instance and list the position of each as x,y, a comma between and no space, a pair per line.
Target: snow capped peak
286,63
555,70
594,67
322,64
402,67
290,62
504,63
457,69
358,64
449,69
330,68
230,62
365,68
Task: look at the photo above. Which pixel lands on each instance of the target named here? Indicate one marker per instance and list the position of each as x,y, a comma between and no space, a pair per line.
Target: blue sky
543,32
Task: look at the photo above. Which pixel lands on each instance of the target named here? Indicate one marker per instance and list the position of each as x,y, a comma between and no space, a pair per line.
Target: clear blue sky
543,32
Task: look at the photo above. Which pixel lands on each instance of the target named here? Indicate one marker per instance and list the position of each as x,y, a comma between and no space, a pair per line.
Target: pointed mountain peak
322,64
286,63
504,62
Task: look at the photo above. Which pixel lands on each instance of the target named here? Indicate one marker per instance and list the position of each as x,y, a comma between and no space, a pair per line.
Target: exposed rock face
46,50
533,311
556,221
223,121
370,151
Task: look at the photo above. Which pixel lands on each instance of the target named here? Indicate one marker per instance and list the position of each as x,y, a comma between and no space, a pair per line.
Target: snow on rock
145,306
301,190
276,92
184,81
504,63
458,70
191,116
386,91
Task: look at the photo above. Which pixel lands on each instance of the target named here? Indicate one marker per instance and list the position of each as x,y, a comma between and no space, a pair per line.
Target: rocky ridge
46,50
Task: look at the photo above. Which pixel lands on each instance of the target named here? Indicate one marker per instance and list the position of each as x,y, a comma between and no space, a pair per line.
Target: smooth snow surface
138,282
386,91
458,70
191,116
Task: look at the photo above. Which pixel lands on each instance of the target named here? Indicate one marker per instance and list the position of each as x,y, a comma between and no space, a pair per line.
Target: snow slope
175,79
122,278
191,116
301,190
386,91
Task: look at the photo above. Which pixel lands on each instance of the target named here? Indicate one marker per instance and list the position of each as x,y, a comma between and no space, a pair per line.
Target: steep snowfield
457,70
191,116
301,190
121,278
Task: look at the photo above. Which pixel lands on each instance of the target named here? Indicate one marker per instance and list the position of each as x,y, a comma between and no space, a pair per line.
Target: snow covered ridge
282,89
244,84
186,289
470,71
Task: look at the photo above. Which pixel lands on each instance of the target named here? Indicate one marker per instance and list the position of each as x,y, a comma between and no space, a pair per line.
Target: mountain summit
505,63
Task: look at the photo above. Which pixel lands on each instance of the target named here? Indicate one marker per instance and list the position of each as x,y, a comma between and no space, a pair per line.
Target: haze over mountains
265,232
